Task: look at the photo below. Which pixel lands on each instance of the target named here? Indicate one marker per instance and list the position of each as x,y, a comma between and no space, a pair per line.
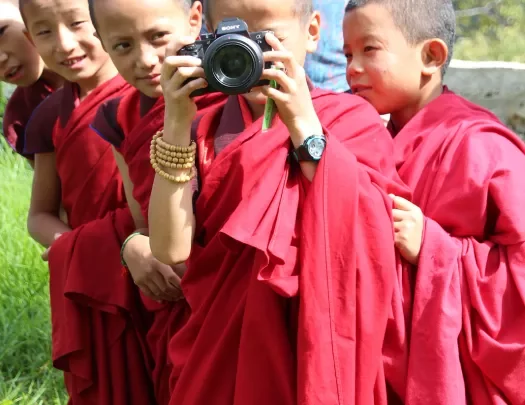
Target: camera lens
234,62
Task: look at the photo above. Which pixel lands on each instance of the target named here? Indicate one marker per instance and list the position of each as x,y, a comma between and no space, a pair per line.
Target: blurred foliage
490,30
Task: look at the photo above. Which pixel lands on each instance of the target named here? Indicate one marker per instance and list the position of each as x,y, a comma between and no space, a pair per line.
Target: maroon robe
97,337
129,123
290,284
18,111
467,344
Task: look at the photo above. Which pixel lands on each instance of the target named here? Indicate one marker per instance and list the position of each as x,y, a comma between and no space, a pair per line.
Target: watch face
316,148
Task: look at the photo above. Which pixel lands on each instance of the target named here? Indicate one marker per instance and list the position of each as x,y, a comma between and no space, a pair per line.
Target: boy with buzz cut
135,34
464,230
290,281
21,65
97,338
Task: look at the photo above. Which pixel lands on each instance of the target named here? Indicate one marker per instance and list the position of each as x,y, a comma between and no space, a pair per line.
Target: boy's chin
150,91
255,96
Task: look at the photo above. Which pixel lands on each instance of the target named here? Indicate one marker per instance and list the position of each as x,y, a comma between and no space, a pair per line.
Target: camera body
232,58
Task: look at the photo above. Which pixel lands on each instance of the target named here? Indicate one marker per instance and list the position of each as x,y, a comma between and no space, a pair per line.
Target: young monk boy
464,229
136,33
21,65
96,341
289,280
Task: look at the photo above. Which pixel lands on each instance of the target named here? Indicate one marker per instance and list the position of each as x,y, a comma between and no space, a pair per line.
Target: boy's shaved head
186,4
419,20
302,8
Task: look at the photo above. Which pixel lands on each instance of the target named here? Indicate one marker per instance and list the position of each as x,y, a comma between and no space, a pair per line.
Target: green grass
27,376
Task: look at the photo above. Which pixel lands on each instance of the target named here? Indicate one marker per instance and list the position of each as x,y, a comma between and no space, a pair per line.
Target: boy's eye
42,32
369,48
348,55
77,23
159,35
122,46
2,30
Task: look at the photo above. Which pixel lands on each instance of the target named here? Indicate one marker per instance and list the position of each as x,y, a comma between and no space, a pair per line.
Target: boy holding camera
464,229
289,281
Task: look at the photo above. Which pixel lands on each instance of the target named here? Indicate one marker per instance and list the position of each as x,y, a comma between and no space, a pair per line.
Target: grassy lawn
26,373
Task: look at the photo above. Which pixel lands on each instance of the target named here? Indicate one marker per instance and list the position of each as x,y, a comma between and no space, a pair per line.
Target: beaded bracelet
163,154
173,148
122,261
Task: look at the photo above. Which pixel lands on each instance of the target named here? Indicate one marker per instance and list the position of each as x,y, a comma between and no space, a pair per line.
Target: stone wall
498,86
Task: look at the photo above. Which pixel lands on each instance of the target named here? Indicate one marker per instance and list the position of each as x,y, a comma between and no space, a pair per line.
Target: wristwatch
311,150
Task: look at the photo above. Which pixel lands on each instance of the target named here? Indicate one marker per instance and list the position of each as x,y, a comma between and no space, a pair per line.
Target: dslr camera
232,58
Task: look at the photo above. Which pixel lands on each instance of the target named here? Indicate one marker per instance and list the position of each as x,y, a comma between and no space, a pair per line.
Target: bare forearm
171,219
45,228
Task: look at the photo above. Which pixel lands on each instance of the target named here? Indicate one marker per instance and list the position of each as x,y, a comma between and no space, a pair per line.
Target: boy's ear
434,56
314,32
195,19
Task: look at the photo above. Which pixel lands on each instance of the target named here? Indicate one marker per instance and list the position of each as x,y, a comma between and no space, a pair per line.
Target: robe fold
290,284
467,172
135,126
18,111
98,340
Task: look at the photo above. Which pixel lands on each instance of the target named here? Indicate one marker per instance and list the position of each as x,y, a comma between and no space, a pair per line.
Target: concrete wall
498,86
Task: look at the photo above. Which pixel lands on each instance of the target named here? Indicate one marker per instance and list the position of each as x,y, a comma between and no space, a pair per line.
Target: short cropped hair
420,20
184,3
301,8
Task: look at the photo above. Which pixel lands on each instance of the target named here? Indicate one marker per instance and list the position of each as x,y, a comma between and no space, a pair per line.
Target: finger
285,58
177,43
45,255
400,215
187,64
272,40
147,291
170,276
167,292
275,94
191,86
398,227
286,83
403,204
179,269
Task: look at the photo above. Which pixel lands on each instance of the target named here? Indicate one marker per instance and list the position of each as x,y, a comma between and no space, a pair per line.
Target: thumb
402,204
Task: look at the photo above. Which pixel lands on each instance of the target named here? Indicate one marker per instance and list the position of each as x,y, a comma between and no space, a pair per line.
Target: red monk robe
468,175
18,111
129,123
290,284
97,338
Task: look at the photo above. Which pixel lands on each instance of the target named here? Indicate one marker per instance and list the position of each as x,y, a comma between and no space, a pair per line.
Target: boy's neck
257,110
106,72
54,80
428,93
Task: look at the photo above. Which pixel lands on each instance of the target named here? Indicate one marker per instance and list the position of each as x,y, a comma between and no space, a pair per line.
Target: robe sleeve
14,121
106,125
348,264
472,289
40,128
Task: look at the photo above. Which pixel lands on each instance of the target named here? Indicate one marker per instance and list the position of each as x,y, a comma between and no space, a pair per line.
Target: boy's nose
66,41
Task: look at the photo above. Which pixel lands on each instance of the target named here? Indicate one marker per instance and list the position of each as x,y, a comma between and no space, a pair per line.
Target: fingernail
392,196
